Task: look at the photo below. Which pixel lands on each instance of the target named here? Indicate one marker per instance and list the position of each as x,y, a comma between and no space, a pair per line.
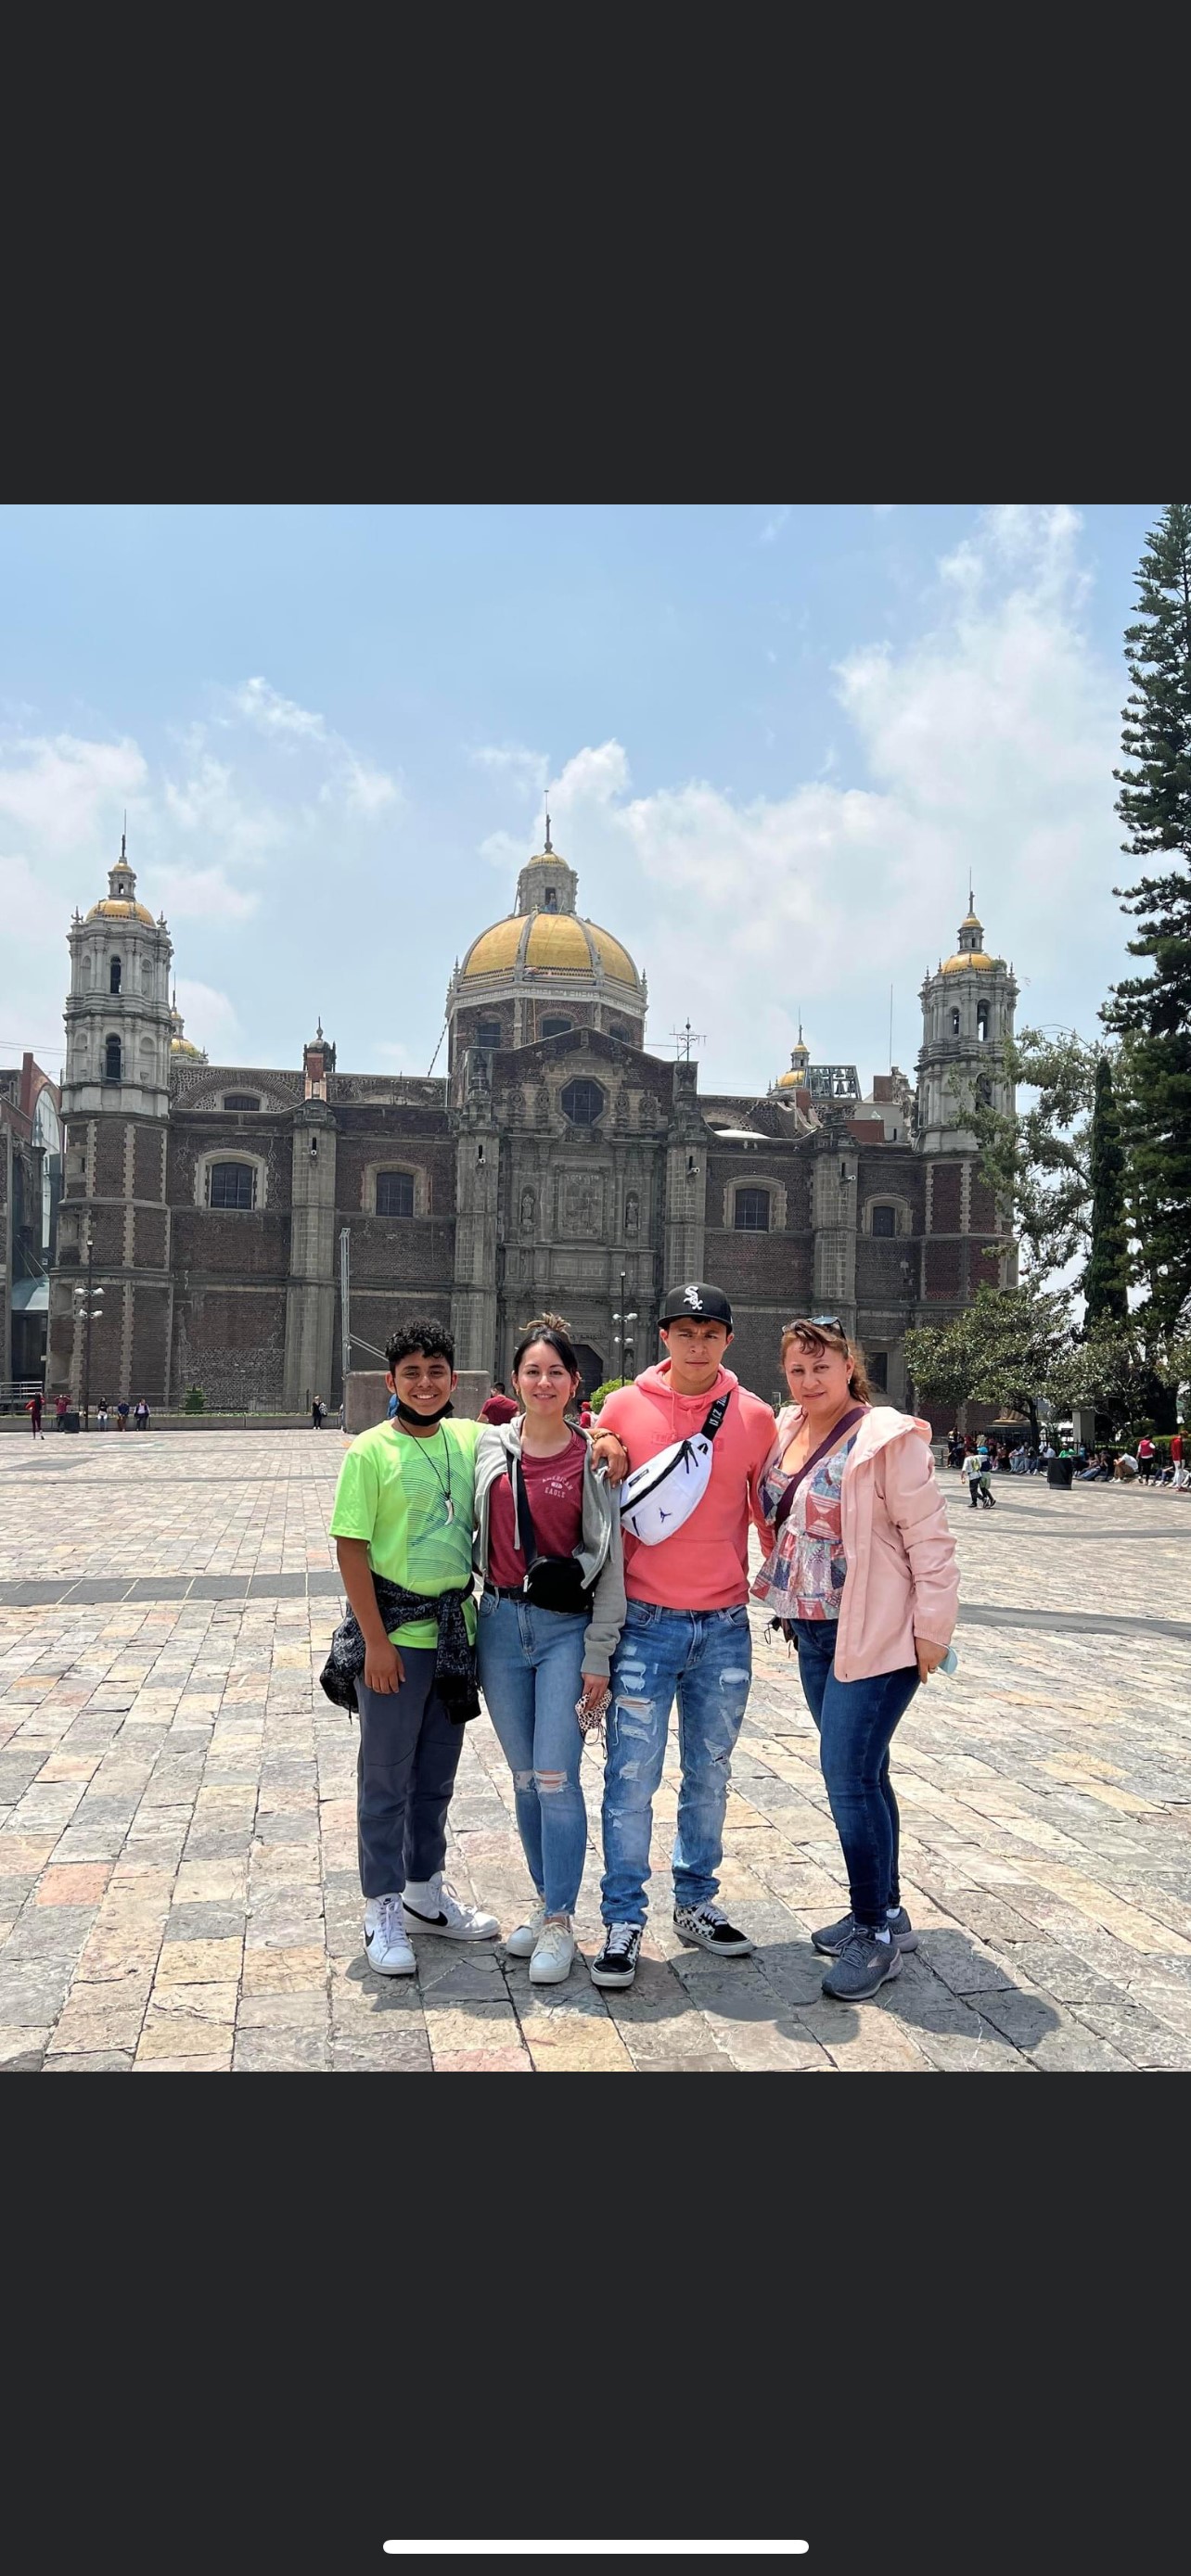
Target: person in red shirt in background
686,1632
498,1407
35,1410
1176,1459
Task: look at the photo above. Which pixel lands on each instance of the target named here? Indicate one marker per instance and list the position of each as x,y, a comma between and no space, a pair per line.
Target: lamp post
622,1337
88,1305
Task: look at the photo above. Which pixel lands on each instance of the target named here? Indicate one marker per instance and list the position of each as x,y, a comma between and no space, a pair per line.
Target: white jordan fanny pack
658,1497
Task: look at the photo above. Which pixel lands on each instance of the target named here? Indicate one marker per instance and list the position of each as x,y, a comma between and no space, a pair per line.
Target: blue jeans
531,1674
706,1656
856,1722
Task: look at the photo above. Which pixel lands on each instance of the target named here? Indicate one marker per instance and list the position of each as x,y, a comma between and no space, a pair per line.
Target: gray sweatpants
409,1754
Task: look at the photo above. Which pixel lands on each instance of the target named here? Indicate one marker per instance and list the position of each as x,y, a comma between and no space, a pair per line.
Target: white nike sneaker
386,1940
551,1961
435,1906
522,1943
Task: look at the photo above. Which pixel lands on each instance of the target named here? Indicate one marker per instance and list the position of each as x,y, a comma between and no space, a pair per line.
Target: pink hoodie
902,1580
705,1565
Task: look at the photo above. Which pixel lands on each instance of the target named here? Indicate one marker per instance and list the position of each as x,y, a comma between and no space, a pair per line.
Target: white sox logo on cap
691,1298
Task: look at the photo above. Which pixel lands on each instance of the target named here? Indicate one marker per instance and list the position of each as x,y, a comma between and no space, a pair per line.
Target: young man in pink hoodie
686,1632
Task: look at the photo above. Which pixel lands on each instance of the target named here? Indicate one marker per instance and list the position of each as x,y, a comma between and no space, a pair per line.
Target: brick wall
983,1208
237,1243
776,1268
148,1163
945,1269
399,1253
150,1343
149,1238
231,1342
229,1136
109,1158
946,1198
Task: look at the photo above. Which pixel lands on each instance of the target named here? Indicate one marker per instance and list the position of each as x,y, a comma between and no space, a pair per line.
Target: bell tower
967,1020
113,1219
967,1014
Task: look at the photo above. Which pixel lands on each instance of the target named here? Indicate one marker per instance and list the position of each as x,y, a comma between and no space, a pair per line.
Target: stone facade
574,1170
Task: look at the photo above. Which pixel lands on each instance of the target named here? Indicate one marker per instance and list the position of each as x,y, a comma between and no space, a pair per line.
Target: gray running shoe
834,1936
864,1965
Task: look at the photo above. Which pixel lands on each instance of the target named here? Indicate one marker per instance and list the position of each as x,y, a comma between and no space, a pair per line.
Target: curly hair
421,1334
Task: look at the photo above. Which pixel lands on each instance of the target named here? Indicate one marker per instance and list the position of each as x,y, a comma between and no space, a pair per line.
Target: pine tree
1152,1012
1106,1278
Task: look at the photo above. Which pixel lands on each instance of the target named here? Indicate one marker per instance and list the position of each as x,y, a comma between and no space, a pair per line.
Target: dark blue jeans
856,1722
405,1772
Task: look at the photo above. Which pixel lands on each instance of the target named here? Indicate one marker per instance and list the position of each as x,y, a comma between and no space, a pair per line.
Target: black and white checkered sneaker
704,1927
617,1961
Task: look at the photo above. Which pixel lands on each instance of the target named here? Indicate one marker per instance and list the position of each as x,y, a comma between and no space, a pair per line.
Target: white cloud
264,707
986,744
524,771
203,894
210,1016
360,786
64,790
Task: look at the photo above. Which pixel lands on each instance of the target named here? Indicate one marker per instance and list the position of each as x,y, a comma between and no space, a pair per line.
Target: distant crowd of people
979,1458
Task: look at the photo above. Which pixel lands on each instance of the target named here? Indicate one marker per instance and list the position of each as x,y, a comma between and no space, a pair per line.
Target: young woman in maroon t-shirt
542,1669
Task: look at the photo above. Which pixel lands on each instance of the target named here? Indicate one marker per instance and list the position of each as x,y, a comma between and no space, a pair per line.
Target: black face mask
405,1413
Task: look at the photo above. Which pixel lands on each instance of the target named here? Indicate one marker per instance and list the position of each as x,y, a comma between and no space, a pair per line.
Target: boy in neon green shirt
403,1510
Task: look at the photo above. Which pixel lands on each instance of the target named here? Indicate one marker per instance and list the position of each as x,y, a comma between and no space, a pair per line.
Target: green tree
1106,1278
1006,1348
1151,1013
1038,1161
1130,1369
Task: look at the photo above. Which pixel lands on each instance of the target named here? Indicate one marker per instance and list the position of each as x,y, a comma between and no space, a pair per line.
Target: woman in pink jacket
862,1573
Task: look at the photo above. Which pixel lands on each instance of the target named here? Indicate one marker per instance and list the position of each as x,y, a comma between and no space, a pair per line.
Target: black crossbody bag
551,1582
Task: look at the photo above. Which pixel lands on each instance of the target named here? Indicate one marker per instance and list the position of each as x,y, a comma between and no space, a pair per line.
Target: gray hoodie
598,1553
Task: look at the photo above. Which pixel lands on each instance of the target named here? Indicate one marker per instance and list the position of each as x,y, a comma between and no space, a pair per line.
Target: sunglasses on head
825,1323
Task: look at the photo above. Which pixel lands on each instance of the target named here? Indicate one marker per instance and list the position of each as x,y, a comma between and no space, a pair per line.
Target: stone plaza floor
177,1841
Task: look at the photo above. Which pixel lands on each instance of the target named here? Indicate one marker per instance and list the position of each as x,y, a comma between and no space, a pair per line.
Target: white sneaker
435,1906
522,1943
385,1938
551,1961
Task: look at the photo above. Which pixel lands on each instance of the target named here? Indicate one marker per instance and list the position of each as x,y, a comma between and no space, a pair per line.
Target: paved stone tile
177,1827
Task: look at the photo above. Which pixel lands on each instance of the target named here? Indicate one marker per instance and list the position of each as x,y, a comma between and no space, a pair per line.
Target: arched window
111,1060
884,1220
982,1020
394,1193
582,1103
556,1027
240,1100
115,975
752,1212
955,1022
488,1033
231,1185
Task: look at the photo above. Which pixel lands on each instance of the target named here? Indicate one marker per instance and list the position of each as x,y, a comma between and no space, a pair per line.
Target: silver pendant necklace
445,1490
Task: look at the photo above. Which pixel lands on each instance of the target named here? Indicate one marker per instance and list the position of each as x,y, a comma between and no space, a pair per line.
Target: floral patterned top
803,1575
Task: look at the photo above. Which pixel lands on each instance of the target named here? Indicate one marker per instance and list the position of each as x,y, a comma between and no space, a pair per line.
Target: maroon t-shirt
555,1488
498,1408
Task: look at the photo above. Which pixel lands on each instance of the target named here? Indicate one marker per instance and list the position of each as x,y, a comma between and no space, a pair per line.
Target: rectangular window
884,1220
488,1033
752,1212
231,1185
394,1194
877,1364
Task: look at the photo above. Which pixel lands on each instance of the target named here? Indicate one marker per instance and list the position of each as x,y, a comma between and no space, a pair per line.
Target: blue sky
775,738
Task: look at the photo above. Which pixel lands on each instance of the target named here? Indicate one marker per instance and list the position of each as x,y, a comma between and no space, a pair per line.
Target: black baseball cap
698,1299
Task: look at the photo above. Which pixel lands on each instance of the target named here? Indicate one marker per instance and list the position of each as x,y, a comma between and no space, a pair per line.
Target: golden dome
549,943
186,1046
120,908
495,949
967,957
789,1081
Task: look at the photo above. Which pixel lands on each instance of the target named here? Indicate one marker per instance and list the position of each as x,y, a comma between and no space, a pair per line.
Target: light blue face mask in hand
949,1662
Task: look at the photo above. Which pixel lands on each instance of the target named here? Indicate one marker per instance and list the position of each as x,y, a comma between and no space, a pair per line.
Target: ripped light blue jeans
706,1657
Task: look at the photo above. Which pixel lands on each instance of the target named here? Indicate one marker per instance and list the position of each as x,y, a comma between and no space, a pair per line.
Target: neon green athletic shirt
391,1492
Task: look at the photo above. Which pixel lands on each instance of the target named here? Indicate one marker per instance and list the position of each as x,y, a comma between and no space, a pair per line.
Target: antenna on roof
686,1038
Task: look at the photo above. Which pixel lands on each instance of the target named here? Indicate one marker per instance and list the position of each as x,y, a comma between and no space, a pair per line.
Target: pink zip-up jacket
704,1566
902,1580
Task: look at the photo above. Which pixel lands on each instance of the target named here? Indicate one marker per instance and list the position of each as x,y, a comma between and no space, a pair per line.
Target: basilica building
557,1162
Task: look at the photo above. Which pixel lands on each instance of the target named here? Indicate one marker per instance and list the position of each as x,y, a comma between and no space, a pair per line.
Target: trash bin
70,1422
1060,1472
